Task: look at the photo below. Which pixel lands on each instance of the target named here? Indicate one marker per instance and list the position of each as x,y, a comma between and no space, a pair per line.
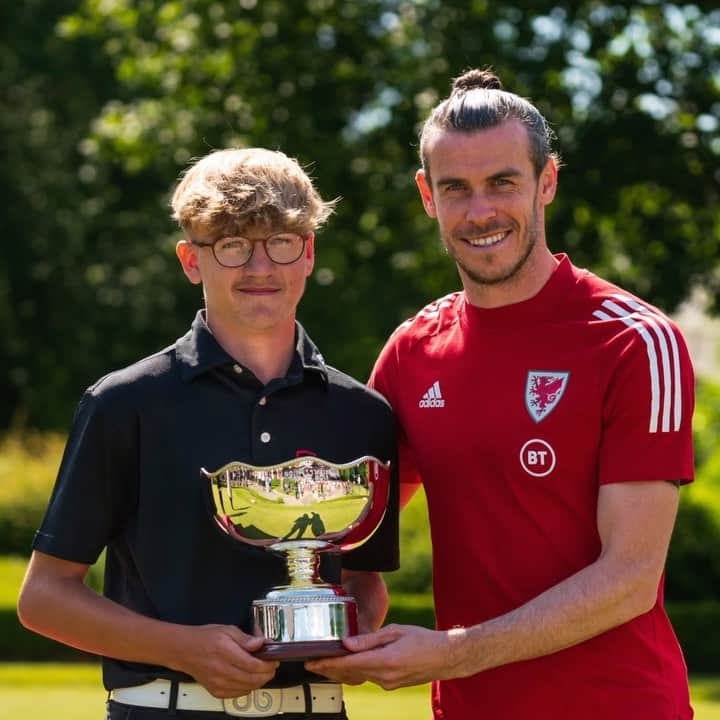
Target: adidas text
435,402
433,397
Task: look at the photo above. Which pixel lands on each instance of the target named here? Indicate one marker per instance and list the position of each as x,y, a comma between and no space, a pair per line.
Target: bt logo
537,458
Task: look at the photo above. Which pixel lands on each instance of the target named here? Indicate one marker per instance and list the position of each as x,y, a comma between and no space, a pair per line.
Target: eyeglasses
282,248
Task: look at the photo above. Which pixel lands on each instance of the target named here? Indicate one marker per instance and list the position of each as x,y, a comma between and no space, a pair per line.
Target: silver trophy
301,508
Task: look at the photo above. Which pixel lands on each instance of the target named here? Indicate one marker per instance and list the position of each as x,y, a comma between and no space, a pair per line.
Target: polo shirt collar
198,352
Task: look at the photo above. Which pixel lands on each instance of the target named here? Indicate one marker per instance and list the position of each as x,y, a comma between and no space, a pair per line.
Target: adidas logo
433,397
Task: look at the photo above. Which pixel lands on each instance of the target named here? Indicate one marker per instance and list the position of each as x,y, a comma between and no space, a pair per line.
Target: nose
259,263
480,209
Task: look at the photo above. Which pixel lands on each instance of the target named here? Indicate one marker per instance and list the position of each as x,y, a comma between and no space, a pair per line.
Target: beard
497,276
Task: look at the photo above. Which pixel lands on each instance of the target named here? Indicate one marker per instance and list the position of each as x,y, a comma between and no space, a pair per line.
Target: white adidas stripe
677,380
669,390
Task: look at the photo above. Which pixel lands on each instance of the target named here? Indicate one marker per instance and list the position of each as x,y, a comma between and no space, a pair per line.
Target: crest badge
543,391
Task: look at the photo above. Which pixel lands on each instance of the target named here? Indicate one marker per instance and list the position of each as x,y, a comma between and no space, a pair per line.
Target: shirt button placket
264,442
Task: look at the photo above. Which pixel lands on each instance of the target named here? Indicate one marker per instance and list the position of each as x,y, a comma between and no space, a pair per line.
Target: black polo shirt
130,480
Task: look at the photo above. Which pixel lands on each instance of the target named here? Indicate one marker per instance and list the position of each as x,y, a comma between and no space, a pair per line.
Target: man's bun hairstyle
478,101
477,79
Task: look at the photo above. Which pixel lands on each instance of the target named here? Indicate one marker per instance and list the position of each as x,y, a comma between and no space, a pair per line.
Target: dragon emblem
543,391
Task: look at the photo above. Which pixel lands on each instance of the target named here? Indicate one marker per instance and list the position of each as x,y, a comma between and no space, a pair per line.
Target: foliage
706,426
28,466
29,463
104,103
415,573
693,566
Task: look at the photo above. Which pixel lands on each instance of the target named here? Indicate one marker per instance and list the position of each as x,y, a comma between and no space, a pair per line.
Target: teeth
487,240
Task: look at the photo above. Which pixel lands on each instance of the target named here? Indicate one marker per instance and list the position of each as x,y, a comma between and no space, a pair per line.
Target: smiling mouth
487,240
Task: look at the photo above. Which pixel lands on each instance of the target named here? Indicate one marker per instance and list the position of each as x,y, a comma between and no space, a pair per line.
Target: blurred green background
104,102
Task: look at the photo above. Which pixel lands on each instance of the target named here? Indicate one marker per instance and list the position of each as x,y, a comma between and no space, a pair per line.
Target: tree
632,90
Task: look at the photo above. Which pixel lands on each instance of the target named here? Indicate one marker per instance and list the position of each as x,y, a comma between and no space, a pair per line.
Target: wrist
172,644
459,653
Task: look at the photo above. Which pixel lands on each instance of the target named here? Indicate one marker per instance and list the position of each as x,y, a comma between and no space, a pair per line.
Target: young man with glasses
245,383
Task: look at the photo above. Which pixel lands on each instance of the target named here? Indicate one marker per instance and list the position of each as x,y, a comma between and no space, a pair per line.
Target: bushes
696,624
28,466
415,573
693,565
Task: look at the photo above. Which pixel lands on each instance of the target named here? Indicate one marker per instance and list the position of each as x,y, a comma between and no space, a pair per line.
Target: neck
525,284
268,353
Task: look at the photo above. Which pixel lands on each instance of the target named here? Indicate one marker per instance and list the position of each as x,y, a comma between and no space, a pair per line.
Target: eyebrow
508,171
505,172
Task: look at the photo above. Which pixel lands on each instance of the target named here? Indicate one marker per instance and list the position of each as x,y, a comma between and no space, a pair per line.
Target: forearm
70,612
594,600
369,589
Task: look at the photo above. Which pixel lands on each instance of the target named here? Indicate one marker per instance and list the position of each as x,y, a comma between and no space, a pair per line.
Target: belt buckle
258,703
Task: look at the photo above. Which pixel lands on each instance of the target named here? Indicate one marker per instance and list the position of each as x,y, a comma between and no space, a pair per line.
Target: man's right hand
219,657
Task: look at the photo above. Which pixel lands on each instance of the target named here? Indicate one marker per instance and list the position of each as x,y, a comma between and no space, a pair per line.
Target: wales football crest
543,391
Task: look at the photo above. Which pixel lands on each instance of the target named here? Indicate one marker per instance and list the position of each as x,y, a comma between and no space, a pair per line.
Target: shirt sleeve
647,418
384,378
95,487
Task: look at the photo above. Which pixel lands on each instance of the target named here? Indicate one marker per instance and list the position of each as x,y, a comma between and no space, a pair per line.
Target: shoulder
617,313
644,352
135,383
358,395
434,319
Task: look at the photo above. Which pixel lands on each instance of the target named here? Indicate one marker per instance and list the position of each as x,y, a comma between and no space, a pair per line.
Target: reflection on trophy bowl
300,508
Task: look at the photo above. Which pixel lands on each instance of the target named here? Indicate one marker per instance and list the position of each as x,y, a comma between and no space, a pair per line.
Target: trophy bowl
301,508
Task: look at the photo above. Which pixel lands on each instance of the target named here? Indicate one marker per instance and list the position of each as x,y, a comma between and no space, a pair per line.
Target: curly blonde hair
229,191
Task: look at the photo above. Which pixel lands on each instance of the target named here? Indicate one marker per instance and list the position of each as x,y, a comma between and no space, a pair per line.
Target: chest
513,412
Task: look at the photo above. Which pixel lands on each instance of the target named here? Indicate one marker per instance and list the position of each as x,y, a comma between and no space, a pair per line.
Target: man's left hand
396,656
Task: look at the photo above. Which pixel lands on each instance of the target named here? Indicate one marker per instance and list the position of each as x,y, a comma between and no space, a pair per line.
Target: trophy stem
302,565
302,560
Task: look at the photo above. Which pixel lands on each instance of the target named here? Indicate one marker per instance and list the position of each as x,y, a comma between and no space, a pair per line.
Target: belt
264,702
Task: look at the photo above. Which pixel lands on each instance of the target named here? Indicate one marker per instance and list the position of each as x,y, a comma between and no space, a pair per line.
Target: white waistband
326,698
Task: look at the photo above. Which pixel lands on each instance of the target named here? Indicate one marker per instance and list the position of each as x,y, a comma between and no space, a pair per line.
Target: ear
187,254
309,254
422,181
547,183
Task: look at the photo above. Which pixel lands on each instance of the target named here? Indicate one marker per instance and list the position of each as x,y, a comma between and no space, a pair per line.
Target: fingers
222,661
250,644
369,641
393,657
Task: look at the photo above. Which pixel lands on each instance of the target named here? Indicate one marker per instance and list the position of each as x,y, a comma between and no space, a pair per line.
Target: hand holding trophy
300,508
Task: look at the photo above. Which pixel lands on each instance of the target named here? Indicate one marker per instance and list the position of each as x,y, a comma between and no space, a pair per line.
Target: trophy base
307,650
299,623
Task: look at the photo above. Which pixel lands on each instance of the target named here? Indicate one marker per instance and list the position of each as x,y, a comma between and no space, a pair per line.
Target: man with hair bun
547,414
245,383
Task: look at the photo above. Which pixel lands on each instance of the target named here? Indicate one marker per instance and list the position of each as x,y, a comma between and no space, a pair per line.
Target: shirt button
265,437
237,368
262,401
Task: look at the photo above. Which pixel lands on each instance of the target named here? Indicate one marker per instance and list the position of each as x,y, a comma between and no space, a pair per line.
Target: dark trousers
117,711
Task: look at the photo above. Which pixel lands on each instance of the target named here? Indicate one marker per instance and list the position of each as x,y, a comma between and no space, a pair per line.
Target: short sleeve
96,484
648,407
384,378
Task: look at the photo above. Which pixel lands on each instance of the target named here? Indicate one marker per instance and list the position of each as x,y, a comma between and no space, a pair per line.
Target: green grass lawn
74,692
